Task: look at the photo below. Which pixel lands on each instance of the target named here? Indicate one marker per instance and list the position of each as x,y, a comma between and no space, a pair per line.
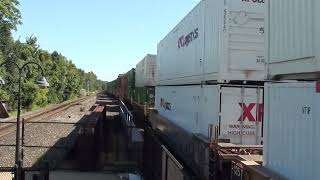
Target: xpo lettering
247,112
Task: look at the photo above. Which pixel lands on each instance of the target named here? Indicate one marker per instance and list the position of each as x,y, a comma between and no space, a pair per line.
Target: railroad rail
8,126
47,134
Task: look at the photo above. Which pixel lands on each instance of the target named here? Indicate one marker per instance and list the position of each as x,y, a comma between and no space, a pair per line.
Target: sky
103,36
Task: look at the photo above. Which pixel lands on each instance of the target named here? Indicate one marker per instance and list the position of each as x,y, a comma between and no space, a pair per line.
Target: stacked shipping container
292,109
131,83
123,90
291,133
238,110
202,66
217,42
145,80
293,39
137,84
146,71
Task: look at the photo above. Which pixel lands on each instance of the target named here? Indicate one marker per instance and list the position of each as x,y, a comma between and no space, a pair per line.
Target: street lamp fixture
42,82
2,81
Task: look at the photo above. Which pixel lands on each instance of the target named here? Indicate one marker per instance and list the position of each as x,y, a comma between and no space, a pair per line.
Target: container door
150,71
210,107
244,43
241,115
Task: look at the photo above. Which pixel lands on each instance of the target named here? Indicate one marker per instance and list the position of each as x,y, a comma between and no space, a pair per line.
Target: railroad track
9,125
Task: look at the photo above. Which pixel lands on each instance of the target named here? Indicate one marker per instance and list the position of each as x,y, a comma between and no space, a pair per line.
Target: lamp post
42,82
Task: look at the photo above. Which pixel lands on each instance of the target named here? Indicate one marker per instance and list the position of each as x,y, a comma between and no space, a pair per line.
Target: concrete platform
6,175
61,175
67,175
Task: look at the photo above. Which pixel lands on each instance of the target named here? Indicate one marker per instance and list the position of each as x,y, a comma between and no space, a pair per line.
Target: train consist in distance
138,84
219,89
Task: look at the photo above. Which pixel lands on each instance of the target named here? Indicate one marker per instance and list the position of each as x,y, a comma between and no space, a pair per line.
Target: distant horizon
108,38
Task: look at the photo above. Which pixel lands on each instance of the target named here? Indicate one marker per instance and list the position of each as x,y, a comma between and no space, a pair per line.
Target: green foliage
4,96
29,92
41,98
9,13
65,79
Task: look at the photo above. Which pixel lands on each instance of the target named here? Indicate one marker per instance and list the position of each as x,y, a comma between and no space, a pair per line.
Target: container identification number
306,110
260,59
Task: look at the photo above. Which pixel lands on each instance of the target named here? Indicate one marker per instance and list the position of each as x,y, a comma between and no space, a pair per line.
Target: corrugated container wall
236,109
291,131
218,40
146,71
293,38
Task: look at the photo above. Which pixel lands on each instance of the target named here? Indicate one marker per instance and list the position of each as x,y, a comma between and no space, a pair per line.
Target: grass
14,113
34,108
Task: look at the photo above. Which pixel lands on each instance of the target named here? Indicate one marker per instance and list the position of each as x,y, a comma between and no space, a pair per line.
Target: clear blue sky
103,36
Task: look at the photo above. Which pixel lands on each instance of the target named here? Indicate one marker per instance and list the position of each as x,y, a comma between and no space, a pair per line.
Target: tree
64,77
10,15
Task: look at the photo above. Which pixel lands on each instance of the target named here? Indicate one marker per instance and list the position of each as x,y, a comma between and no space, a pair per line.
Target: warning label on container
245,130
241,115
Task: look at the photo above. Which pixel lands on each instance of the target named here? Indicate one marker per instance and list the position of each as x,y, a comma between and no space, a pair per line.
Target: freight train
216,91
204,77
138,84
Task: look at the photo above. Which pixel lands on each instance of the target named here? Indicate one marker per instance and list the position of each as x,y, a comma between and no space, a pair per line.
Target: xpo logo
247,112
254,1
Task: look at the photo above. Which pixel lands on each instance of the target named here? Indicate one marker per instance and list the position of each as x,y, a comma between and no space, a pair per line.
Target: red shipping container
124,86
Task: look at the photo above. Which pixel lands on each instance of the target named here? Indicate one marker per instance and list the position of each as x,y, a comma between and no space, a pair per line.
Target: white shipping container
238,111
291,131
218,40
146,71
293,38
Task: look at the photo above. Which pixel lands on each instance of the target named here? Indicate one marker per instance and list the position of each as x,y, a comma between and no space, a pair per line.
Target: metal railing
45,143
126,115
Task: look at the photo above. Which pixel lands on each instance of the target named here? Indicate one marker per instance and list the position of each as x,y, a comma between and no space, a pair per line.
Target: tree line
65,79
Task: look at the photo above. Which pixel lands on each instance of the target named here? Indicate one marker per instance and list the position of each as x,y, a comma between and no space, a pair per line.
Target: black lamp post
42,82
